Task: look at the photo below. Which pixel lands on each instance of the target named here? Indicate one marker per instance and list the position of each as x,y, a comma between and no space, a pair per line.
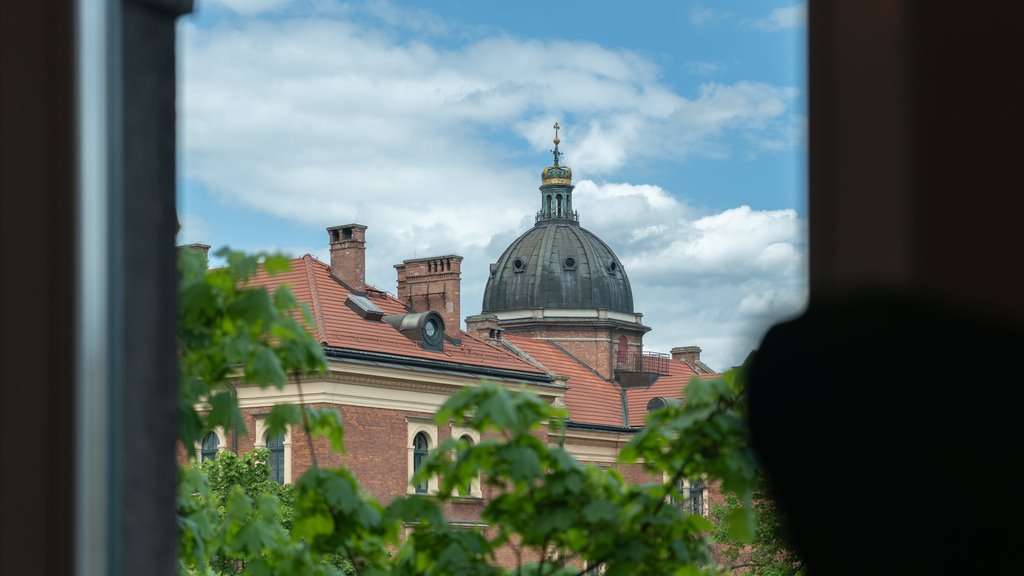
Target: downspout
625,407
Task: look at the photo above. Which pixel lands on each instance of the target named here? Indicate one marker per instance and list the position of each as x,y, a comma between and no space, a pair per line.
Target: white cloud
714,280
782,18
322,122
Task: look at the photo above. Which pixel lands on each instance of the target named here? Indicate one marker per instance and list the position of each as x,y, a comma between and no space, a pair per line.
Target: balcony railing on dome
574,216
640,369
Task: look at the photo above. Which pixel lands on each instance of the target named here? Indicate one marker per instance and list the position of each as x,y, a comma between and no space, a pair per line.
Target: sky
429,122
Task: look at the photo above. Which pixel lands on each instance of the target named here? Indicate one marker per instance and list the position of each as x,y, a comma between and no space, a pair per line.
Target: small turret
556,189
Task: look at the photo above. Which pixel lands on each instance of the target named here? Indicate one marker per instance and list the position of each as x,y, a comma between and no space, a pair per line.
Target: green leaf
276,263
281,416
313,525
266,369
742,524
326,423
224,412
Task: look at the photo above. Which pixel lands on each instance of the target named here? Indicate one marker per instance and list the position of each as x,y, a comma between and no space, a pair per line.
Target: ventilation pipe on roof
433,283
427,328
661,402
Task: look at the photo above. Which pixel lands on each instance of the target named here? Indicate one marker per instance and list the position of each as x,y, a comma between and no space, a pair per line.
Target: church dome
557,264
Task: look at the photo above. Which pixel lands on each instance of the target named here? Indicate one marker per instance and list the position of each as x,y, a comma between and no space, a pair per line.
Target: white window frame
261,442
704,504
222,445
475,490
414,427
685,495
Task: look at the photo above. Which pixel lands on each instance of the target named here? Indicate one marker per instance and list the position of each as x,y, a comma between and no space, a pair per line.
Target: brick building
557,319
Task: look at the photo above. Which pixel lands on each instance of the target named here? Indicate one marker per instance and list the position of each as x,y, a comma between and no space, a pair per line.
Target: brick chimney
348,255
433,284
484,326
688,354
203,249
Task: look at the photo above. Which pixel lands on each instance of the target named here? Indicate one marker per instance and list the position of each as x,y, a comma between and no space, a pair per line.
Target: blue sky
684,124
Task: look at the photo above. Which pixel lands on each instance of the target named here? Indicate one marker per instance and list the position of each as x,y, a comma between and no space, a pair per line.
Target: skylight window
361,305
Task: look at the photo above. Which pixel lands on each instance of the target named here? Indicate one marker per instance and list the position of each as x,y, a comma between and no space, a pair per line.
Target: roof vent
661,402
427,328
361,305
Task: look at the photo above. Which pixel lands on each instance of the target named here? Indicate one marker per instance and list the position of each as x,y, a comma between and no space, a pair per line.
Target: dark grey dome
557,264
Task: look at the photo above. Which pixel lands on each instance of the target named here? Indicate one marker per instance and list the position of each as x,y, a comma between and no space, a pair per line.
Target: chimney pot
689,354
203,249
348,255
433,283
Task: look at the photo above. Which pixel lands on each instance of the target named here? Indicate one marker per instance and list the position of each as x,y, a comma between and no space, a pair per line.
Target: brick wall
433,284
377,453
594,346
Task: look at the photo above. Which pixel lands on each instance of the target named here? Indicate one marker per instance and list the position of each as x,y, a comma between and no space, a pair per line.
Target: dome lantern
556,189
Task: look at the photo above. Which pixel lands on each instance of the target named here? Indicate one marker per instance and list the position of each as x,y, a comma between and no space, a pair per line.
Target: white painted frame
261,442
414,427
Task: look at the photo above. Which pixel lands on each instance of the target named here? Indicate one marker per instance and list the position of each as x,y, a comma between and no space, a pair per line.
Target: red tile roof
339,326
669,385
590,399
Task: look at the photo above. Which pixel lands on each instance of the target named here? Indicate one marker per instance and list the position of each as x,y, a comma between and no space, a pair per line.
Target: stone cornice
366,385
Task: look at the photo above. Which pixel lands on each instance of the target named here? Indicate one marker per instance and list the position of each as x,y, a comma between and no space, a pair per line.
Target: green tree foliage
228,332
559,513
768,553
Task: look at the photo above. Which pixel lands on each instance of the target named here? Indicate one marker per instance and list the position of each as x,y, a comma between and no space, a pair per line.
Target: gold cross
556,133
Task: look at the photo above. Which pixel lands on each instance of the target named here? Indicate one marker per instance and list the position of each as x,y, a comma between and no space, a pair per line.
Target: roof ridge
578,361
314,295
507,352
510,346
317,260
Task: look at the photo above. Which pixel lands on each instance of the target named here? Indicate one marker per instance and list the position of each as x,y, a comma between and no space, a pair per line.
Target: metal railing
650,362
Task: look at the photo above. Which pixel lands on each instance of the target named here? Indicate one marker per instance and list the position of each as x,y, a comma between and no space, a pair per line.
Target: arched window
468,490
275,443
420,446
558,200
209,450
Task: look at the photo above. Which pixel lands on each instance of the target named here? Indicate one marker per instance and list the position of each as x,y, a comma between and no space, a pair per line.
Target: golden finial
555,151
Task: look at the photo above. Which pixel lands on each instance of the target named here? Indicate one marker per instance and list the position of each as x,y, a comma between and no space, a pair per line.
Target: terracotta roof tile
590,398
339,326
668,386
594,400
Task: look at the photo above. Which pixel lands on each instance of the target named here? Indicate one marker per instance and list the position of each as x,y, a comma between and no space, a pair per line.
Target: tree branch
305,420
